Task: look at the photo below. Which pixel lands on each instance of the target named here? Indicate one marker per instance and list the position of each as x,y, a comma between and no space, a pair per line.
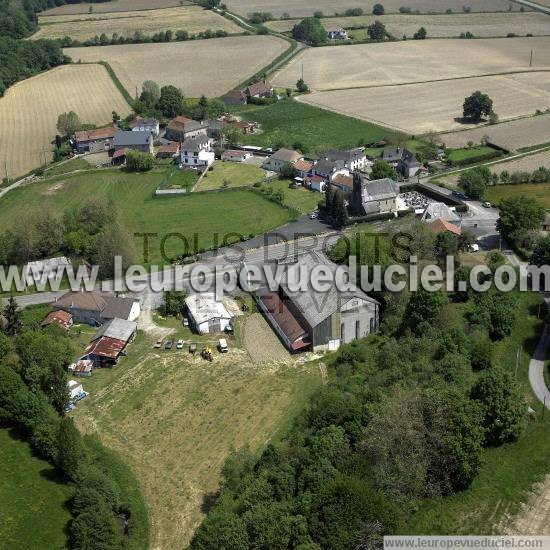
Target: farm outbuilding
207,314
109,342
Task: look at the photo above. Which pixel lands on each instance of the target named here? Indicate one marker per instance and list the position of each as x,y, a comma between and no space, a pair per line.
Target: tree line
90,232
405,417
33,397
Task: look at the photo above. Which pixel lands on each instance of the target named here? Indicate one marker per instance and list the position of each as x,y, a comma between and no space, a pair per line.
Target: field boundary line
483,75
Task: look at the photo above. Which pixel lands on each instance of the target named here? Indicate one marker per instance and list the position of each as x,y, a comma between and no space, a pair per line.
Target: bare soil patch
261,342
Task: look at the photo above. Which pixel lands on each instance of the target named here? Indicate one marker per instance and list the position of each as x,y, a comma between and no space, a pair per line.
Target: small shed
75,389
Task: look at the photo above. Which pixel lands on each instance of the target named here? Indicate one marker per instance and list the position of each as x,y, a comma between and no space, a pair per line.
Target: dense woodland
107,508
405,417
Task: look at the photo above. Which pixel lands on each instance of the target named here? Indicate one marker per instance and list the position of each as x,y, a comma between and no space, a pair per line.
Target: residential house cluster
258,90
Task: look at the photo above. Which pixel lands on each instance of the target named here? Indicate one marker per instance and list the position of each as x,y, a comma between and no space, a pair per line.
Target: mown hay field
538,191
29,111
303,8
436,106
512,135
209,67
114,6
527,163
175,418
440,26
336,67
193,19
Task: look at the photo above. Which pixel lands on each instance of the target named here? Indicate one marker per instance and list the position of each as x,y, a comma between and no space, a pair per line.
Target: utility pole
6,170
531,59
302,71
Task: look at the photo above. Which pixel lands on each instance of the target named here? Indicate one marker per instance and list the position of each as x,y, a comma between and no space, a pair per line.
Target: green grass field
508,472
301,198
290,123
66,167
236,174
32,499
470,154
203,215
538,191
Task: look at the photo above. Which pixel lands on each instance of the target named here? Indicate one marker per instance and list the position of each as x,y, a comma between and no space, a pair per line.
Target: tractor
207,354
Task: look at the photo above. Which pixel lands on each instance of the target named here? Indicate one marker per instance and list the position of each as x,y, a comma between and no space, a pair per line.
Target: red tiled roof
120,153
234,154
342,180
105,347
290,326
63,318
179,123
172,147
258,88
303,165
440,225
97,134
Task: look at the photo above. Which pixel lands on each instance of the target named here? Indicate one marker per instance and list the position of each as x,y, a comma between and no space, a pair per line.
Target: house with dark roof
402,160
94,141
137,141
235,97
353,159
95,308
373,197
316,320
168,150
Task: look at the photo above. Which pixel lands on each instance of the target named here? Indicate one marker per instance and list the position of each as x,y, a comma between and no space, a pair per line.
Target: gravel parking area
262,343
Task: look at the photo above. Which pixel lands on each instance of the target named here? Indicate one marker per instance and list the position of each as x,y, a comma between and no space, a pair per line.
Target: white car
486,204
222,345
179,344
313,216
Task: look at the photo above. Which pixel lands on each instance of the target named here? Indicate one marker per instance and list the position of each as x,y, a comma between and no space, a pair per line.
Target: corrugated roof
286,155
62,318
97,134
204,307
105,347
120,329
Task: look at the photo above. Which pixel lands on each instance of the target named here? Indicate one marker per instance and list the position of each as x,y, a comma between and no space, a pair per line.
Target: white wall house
197,152
145,125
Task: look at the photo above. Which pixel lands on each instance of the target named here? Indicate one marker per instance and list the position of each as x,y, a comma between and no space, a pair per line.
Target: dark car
168,344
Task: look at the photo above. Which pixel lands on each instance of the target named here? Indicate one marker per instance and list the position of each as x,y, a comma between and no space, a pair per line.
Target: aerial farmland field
436,106
210,67
527,163
29,111
304,8
337,67
115,5
193,19
440,26
512,135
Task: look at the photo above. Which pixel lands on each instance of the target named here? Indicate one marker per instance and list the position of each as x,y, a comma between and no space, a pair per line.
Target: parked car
486,204
193,348
179,344
222,345
168,344
228,328
185,322
313,216
158,344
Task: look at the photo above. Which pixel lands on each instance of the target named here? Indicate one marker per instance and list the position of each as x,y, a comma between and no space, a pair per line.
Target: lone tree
519,216
381,169
311,31
171,102
68,123
301,86
377,31
420,34
378,9
13,317
477,106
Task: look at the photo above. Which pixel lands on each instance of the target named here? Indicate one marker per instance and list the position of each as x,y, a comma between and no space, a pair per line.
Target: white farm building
206,314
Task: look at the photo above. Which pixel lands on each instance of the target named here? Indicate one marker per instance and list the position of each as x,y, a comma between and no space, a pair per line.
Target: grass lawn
300,198
236,174
470,154
66,167
174,178
194,216
508,472
32,498
538,191
174,418
291,123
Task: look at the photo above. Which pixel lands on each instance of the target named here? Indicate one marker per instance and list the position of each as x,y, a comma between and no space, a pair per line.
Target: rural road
534,5
537,363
